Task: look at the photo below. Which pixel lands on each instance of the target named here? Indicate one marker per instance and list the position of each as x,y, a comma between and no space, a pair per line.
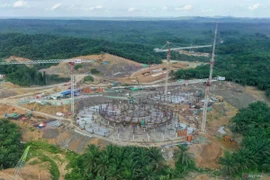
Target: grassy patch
35,145
53,166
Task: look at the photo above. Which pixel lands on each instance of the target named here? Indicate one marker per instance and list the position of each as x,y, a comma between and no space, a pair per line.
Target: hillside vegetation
10,147
254,156
242,48
244,60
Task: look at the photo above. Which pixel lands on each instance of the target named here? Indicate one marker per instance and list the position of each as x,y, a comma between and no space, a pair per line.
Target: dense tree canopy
10,147
119,163
244,60
254,156
26,76
43,46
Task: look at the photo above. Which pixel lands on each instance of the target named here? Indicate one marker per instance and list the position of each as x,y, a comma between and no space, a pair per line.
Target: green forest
26,76
10,147
242,52
253,123
244,60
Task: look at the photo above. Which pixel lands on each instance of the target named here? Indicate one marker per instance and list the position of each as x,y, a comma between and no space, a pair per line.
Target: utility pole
208,84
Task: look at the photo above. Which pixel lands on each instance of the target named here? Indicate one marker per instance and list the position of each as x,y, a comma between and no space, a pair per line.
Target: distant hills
219,19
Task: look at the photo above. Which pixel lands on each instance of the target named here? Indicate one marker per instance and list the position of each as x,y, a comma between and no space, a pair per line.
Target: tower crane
208,84
72,62
168,44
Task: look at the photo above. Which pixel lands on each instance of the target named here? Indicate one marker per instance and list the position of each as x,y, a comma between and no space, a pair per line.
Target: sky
134,8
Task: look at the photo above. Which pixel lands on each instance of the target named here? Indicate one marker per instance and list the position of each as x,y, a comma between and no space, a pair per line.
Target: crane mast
21,163
168,70
168,44
208,84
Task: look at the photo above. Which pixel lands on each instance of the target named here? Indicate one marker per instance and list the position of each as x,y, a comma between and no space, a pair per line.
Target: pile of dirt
107,64
207,155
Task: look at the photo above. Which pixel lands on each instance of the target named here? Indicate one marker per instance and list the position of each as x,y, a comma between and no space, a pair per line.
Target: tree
229,166
10,147
148,173
184,158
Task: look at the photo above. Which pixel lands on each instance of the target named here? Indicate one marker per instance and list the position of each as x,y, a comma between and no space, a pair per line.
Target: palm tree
91,155
185,159
128,170
148,173
156,157
171,173
112,173
102,164
229,166
164,177
141,156
100,178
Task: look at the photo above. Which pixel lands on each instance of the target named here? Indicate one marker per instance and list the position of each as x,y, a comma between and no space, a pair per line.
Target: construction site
128,103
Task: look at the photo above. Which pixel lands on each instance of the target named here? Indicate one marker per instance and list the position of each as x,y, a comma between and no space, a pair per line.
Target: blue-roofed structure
65,93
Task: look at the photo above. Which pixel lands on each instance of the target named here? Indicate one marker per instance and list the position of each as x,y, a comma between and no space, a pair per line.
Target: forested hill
245,60
42,46
242,52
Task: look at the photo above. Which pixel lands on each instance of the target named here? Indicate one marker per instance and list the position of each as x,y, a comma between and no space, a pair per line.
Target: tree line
26,76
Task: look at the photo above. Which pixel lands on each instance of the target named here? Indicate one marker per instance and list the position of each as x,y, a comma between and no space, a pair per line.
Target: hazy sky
148,8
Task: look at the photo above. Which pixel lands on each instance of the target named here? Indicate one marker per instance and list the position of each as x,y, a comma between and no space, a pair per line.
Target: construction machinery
72,62
168,44
208,84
